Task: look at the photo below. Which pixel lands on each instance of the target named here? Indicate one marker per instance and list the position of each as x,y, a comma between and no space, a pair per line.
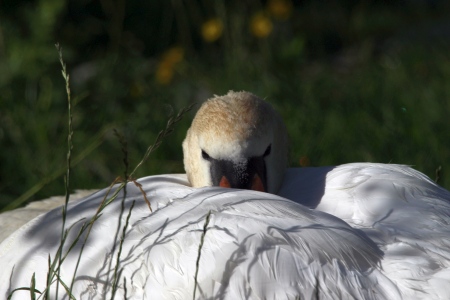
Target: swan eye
205,155
269,148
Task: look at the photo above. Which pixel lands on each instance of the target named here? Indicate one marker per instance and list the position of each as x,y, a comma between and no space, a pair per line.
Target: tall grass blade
122,239
438,174
69,157
68,290
200,246
33,287
49,278
21,289
124,148
117,273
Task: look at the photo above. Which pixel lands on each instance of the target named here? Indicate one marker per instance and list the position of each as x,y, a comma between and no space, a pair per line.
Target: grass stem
69,156
200,246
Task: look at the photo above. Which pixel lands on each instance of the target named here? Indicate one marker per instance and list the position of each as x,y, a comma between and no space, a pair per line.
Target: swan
355,231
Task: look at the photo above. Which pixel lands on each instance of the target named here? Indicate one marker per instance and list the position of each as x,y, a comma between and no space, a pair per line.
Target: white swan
256,245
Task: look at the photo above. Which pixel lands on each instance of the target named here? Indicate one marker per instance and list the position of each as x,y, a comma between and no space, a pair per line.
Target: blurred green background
354,81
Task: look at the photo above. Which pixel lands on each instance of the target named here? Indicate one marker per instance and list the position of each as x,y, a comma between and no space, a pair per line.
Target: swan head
238,141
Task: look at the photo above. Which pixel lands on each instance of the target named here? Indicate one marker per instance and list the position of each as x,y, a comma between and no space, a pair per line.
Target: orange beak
224,182
257,184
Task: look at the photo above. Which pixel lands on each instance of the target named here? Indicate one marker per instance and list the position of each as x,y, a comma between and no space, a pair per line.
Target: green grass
353,82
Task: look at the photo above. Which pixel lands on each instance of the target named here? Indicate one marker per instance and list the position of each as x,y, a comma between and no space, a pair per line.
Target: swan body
256,246
356,231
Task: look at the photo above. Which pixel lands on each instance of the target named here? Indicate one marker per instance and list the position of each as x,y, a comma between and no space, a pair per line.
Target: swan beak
257,184
224,182
227,175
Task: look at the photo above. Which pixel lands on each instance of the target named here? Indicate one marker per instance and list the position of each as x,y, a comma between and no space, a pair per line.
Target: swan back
255,246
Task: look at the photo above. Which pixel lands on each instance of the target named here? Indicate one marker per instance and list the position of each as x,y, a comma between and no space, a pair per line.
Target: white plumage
257,246
399,208
372,231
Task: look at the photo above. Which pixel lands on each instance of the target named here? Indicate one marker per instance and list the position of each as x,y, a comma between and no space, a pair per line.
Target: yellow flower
173,56
260,25
212,30
164,73
166,67
280,9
